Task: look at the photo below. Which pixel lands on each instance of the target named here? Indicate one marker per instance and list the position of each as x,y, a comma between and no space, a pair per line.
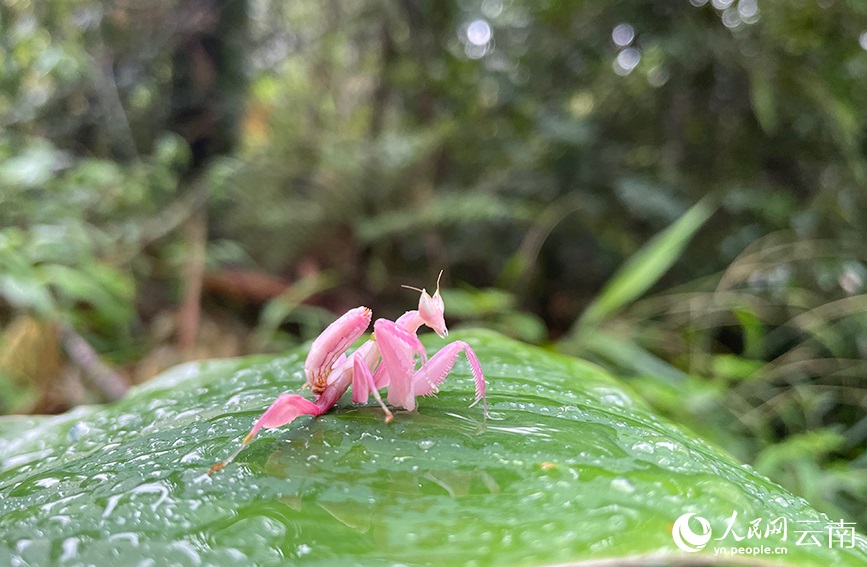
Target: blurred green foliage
534,150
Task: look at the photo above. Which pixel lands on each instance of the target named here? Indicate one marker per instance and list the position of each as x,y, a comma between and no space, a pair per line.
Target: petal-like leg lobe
285,408
332,343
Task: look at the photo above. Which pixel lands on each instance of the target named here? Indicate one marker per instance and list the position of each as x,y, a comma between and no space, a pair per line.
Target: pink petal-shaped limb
341,377
284,409
331,344
428,378
398,348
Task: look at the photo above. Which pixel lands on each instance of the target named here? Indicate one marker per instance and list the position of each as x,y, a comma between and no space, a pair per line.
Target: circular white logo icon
685,538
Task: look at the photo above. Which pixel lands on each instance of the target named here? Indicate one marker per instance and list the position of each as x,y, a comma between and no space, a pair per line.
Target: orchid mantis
388,358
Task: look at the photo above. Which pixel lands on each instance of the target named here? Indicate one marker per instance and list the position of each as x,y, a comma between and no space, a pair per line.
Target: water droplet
609,396
192,456
77,431
616,523
188,550
46,482
668,445
70,549
112,504
426,444
623,485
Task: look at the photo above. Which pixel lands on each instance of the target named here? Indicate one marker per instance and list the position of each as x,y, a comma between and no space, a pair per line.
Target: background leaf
644,269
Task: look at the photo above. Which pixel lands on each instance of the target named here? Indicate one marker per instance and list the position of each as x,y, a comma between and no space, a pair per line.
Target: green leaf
171,150
643,269
32,168
278,309
103,287
753,330
20,285
26,293
624,353
569,467
764,100
735,367
809,445
495,309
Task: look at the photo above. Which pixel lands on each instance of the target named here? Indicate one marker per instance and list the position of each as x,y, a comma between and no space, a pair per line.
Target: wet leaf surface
569,467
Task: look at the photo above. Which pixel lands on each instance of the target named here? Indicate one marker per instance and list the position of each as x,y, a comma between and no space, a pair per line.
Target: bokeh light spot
748,9
731,18
622,35
492,8
474,51
479,32
626,61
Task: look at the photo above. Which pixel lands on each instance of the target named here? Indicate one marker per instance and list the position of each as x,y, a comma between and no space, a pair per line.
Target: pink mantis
330,372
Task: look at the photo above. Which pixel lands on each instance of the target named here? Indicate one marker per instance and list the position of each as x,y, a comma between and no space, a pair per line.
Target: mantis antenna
439,277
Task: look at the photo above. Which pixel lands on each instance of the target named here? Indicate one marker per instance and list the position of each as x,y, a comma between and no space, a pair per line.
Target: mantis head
431,309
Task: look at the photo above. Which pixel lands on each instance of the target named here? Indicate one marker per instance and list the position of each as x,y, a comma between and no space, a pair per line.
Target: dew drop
616,523
46,482
622,485
70,549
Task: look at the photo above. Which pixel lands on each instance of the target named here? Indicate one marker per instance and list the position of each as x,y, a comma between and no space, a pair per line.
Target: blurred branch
165,222
109,383
245,285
